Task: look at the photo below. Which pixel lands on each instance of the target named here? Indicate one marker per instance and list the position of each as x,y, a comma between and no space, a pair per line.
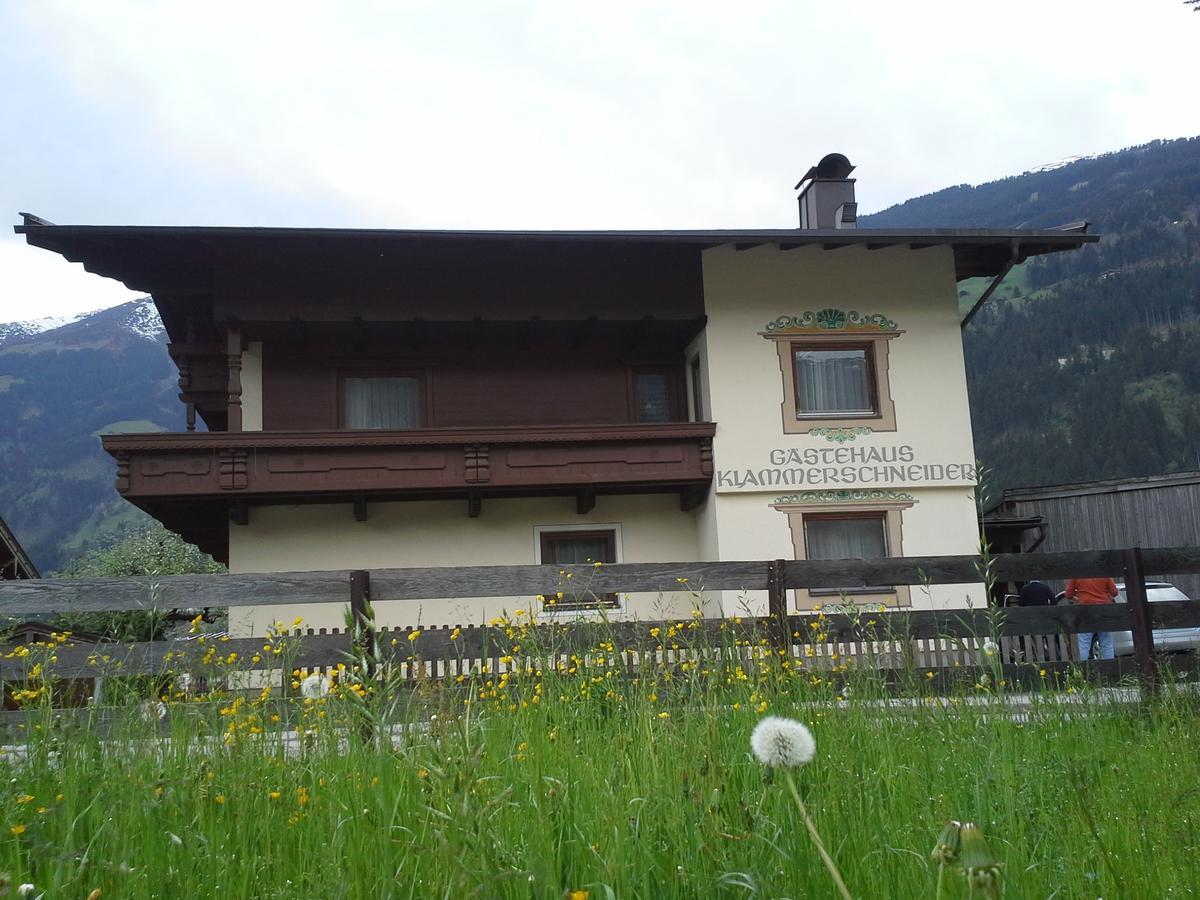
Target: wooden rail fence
931,638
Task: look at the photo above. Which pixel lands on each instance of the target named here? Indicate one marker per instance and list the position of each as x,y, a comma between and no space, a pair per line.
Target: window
697,391
834,380
391,402
824,526
653,395
846,536
578,547
834,368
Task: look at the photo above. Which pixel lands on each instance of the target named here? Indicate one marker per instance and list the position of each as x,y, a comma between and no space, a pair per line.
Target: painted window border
898,597
824,327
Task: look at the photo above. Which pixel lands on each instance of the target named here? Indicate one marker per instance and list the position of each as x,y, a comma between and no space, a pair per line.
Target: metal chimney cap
831,167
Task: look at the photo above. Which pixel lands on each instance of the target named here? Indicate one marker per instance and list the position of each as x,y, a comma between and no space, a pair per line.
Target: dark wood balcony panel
445,462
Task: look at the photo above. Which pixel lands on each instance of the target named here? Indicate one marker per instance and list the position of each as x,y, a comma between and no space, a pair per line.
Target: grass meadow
573,780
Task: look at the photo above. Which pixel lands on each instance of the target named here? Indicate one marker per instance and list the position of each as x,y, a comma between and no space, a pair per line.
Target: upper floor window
391,402
654,395
835,368
697,390
834,380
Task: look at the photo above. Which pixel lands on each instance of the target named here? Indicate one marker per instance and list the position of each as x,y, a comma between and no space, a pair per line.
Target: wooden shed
1146,511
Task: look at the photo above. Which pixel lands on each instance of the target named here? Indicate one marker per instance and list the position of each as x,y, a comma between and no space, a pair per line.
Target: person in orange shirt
1087,591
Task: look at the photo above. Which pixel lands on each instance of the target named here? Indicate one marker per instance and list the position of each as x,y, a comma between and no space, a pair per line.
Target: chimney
827,198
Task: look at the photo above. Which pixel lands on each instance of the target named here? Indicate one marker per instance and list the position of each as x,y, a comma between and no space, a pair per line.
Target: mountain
1085,365
61,386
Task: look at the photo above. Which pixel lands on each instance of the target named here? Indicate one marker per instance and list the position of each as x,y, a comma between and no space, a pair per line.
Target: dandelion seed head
314,686
777,741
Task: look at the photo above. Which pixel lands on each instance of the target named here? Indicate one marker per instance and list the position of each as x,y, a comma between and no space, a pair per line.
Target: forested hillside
1088,364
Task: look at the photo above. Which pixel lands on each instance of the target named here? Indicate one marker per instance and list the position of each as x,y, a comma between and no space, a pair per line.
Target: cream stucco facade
649,528
925,465
916,469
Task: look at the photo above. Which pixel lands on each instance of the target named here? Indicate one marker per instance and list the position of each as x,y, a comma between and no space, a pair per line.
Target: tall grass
576,779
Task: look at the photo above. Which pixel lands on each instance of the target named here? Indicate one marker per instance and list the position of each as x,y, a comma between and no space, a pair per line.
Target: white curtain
844,538
389,403
832,381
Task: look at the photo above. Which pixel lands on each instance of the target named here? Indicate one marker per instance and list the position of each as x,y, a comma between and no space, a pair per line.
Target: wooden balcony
191,481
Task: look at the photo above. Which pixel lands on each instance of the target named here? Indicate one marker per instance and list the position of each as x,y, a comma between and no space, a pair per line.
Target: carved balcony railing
274,466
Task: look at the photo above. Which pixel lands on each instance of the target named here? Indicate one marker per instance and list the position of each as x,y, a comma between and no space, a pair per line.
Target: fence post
1139,614
777,630
363,635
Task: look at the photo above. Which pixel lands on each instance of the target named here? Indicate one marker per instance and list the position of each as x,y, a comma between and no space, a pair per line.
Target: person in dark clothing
1035,593
1038,593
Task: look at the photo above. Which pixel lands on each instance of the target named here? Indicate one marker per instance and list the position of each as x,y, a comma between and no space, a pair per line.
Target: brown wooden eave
188,479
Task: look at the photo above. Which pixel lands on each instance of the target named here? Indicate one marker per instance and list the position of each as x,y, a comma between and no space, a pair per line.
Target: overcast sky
546,115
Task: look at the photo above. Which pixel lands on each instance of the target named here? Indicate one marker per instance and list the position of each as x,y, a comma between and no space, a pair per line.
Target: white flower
25,889
989,647
777,741
154,710
314,686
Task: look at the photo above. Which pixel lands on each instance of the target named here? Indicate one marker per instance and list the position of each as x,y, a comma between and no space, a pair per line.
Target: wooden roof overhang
182,267
14,561
195,483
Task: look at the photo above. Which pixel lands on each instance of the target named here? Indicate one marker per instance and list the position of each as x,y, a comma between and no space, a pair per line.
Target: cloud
37,283
558,115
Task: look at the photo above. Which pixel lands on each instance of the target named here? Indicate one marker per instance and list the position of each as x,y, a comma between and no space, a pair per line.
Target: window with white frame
573,546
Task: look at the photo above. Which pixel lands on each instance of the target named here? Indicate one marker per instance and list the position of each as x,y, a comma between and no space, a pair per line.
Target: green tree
149,552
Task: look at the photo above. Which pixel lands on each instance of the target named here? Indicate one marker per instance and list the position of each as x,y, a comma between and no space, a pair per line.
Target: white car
1166,640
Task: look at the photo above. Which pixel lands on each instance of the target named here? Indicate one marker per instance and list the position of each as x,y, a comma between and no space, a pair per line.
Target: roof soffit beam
1014,257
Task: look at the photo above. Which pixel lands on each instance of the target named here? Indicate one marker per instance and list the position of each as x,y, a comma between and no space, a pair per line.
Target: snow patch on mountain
139,317
30,327
144,320
1065,161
